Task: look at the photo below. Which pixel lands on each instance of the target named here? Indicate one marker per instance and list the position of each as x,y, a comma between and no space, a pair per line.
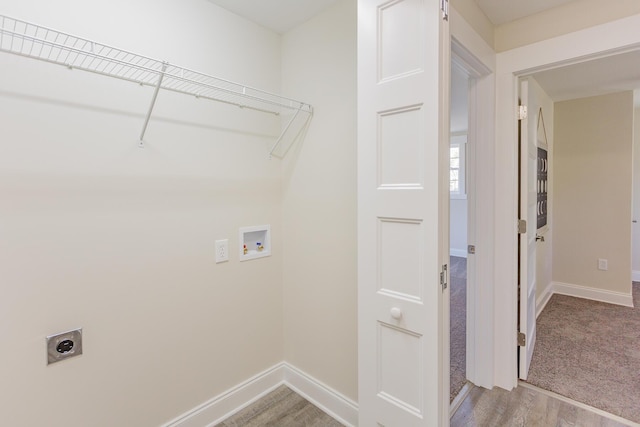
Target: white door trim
599,41
478,59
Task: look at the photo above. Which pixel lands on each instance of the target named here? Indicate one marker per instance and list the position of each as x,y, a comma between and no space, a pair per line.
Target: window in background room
457,166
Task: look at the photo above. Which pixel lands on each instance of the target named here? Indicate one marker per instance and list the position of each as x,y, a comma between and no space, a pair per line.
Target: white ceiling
597,77
277,15
503,11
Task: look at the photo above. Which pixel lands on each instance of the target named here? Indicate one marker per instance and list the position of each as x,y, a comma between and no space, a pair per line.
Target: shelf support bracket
286,128
153,103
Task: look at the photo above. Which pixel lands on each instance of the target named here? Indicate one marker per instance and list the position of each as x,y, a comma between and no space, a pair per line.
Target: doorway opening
459,182
589,114
471,223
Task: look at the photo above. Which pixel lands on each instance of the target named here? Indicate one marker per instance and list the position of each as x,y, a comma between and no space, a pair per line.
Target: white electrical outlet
603,264
222,250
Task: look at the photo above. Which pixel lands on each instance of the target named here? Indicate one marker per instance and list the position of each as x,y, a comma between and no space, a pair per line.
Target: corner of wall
475,17
564,19
233,400
319,200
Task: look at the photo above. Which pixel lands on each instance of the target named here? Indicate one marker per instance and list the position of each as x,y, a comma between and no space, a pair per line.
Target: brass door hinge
444,7
522,226
522,339
522,112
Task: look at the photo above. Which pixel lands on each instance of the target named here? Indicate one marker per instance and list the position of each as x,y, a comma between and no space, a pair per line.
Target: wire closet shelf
34,41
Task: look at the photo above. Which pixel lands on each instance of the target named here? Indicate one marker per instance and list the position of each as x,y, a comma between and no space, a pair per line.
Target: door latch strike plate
443,277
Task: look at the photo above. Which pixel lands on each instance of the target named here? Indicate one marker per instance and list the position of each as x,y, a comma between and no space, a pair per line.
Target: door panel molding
403,154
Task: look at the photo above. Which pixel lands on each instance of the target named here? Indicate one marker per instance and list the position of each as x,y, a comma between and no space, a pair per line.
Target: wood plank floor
282,408
525,406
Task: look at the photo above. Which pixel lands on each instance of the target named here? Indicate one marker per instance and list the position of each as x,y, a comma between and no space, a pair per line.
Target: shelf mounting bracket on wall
37,42
284,132
153,103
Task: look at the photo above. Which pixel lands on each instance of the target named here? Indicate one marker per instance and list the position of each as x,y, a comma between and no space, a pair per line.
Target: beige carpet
590,352
458,325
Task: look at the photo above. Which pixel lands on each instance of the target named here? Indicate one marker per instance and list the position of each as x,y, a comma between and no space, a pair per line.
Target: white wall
592,191
458,227
319,208
99,234
459,100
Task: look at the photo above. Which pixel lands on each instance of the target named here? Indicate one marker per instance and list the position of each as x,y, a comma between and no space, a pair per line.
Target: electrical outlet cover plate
603,264
64,345
222,250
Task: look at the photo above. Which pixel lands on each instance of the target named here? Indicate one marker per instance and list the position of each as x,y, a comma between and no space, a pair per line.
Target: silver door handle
539,238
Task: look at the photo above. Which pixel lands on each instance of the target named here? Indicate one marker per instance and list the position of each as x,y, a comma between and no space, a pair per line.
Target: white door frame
478,59
591,43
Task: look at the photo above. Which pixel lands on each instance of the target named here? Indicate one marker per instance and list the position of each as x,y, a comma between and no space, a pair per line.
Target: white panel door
528,212
403,212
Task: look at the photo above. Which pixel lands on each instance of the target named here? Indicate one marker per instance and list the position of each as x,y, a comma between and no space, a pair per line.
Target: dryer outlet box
64,346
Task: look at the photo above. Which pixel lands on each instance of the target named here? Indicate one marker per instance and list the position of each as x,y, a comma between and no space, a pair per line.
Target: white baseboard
541,302
635,276
233,400
595,294
462,253
333,403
